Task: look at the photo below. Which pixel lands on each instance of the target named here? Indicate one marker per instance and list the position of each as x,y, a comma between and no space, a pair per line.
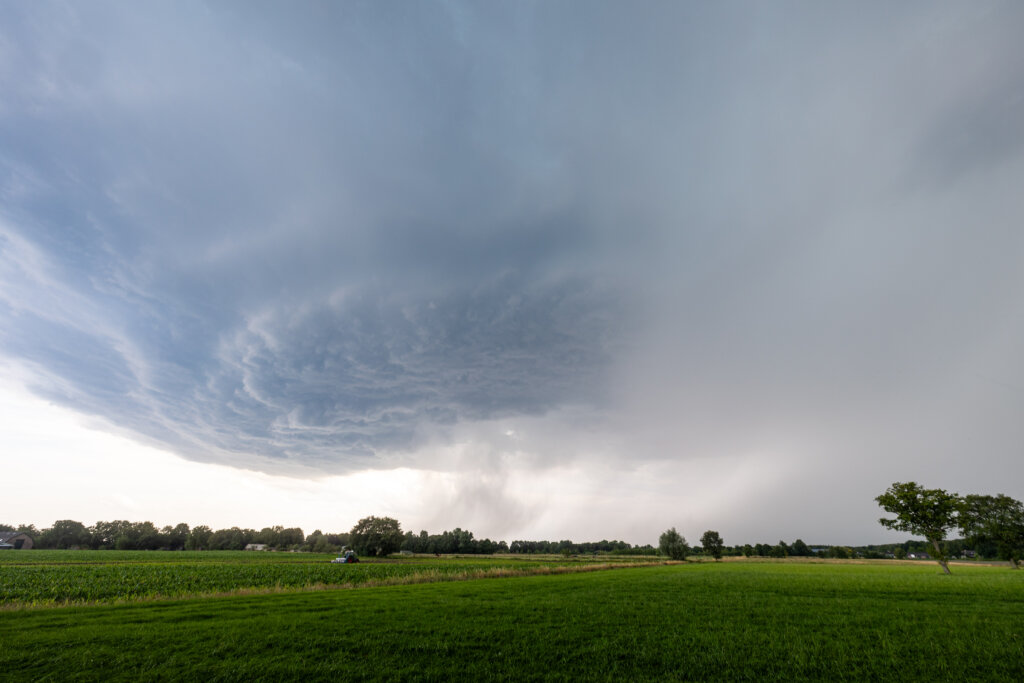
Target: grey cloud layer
307,236
241,233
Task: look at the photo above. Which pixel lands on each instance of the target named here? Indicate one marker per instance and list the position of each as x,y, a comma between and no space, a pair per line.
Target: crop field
54,577
725,621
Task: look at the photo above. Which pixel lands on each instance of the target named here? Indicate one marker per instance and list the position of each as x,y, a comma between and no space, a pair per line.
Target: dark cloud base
328,384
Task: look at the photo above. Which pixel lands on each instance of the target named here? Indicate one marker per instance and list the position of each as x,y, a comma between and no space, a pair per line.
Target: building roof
6,536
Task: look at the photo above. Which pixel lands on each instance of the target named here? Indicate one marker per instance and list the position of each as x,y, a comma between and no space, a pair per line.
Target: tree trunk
940,556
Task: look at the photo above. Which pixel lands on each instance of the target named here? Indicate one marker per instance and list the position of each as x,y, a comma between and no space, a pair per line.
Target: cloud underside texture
308,237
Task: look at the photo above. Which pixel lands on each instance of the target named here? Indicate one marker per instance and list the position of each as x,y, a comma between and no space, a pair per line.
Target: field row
80,582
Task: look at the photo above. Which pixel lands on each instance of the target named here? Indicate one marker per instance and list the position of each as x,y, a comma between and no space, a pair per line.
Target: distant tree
270,535
799,549
318,542
416,543
672,544
147,536
291,537
376,536
748,550
899,554
322,545
924,512
65,533
995,520
175,537
104,535
199,538
337,540
712,543
230,539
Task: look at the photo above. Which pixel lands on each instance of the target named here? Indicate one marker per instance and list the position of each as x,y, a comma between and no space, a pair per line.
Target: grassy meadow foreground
504,619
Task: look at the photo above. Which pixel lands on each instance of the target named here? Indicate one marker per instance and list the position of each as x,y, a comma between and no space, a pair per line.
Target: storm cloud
334,237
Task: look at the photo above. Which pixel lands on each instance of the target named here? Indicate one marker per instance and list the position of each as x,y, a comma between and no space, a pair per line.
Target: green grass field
725,621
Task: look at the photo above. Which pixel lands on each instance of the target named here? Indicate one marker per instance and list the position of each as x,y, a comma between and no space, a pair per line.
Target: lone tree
712,544
376,536
998,520
673,544
923,512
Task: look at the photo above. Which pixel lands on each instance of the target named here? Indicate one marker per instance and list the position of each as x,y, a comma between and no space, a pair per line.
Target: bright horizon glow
104,476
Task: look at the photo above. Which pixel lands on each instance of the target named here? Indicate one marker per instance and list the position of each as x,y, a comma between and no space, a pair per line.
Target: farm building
15,540
256,546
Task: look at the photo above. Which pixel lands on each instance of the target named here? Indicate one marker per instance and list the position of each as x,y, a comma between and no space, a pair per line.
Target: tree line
992,526
383,536
125,535
673,545
959,547
369,536
573,548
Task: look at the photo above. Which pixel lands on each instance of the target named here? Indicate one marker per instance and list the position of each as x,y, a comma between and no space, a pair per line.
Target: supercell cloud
332,237
305,235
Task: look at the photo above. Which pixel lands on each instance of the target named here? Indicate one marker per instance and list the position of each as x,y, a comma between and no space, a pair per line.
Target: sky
538,270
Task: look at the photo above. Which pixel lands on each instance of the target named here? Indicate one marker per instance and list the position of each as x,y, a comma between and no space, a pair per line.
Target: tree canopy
376,536
712,543
924,512
672,544
998,520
